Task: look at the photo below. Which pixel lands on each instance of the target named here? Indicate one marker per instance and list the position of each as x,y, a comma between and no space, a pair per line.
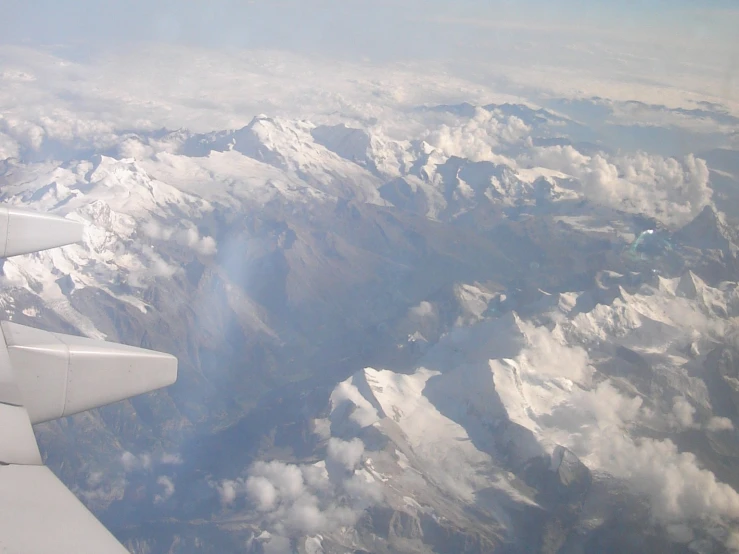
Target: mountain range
494,335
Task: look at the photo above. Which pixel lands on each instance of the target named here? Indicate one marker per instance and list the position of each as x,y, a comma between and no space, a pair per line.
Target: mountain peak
708,230
690,285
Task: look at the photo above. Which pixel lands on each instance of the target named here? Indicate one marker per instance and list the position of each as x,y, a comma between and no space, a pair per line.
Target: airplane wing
44,376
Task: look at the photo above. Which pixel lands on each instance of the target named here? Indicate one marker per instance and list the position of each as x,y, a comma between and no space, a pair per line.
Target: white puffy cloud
60,124
345,453
168,489
548,352
94,479
562,406
171,459
189,236
683,412
322,428
477,137
158,267
8,147
132,462
422,311
296,500
286,478
679,533
156,231
604,405
150,265
145,461
305,517
278,545
347,394
229,489
678,488
23,132
135,149
100,488
363,489
673,191
262,492
593,424
719,424
205,246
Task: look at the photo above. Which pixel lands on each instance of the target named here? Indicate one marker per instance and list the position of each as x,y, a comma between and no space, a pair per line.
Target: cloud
189,237
679,533
422,311
154,230
131,462
101,488
22,132
477,137
156,267
63,130
145,461
228,490
678,489
171,459
683,412
278,545
294,500
95,478
732,542
140,89
673,191
262,492
363,489
719,424
345,453
305,517
562,406
8,147
135,149
550,354
286,478
205,246
603,405
594,424
168,486
348,395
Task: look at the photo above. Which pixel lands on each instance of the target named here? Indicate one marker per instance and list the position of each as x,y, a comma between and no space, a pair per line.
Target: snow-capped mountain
484,336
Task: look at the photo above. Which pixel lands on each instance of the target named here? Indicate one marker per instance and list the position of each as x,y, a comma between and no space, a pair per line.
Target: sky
657,51
377,29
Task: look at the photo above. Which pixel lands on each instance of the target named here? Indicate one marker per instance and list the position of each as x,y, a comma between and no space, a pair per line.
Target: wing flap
17,441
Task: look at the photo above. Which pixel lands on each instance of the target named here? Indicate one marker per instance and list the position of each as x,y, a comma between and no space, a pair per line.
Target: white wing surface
39,515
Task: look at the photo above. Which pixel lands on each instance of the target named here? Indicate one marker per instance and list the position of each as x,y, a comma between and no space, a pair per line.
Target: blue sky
376,29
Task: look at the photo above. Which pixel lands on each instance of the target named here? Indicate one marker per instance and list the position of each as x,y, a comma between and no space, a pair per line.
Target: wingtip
23,232
61,375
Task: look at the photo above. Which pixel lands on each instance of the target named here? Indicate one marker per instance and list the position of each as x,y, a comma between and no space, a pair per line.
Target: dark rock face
722,380
449,538
562,484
